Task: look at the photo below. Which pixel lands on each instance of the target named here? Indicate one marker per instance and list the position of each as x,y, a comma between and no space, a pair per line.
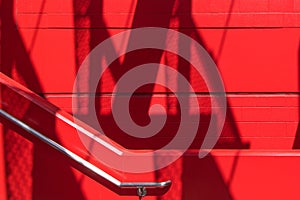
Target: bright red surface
255,45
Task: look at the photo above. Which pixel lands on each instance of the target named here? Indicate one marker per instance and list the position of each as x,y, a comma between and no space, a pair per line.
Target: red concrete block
282,6
270,114
296,5
253,6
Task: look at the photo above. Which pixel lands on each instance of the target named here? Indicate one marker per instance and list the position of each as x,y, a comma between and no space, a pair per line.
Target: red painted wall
255,45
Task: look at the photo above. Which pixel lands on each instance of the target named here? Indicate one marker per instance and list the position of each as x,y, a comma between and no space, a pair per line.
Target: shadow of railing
141,98
297,136
29,173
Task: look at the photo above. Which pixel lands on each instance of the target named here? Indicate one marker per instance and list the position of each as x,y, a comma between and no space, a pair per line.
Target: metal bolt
141,192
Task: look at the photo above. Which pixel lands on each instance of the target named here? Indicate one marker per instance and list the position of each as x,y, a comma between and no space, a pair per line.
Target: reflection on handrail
141,186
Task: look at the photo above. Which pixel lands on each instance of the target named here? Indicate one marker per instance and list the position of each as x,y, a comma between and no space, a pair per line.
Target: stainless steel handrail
141,186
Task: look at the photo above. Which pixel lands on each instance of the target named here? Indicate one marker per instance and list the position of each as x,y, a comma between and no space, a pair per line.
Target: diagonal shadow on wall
297,137
33,170
90,36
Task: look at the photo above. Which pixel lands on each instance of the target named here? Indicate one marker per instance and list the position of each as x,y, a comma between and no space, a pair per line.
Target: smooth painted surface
255,45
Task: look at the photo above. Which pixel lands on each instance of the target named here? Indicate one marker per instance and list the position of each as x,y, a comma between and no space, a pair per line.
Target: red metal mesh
18,158
18,152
